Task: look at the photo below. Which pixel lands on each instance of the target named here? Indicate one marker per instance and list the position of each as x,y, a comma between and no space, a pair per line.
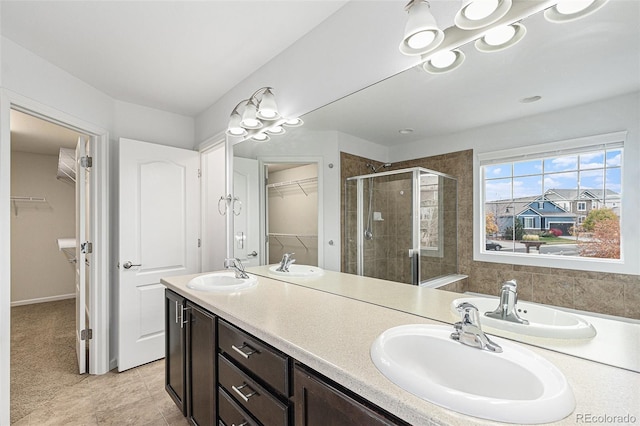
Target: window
529,222
528,195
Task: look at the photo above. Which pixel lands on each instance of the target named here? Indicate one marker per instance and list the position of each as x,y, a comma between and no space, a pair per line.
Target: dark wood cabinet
201,366
175,349
319,402
218,374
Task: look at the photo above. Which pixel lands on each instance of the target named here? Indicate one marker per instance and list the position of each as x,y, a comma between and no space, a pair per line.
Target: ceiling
176,56
34,135
182,56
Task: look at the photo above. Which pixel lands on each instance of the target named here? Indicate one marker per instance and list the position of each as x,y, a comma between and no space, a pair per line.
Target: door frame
99,291
318,161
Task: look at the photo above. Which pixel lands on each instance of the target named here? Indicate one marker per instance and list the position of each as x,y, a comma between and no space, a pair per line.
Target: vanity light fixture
258,117
421,34
500,38
260,137
249,116
444,61
293,122
570,10
494,25
476,14
276,130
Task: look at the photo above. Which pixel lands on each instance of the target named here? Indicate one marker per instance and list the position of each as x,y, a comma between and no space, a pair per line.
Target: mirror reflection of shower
368,232
416,241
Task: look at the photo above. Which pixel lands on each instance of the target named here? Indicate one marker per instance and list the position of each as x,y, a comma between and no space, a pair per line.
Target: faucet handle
469,313
510,285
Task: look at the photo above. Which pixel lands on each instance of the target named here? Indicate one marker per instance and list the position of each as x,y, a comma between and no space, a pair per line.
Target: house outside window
530,193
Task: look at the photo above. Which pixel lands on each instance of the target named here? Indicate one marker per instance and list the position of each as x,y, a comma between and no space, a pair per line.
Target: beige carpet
43,354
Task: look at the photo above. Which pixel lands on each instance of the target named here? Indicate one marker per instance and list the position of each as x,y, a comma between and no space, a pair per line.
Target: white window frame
630,232
529,222
583,204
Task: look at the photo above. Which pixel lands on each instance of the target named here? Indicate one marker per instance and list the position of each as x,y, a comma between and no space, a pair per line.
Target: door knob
128,264
253,254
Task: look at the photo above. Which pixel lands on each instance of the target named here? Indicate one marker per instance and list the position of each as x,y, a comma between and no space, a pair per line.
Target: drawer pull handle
243,353
245,397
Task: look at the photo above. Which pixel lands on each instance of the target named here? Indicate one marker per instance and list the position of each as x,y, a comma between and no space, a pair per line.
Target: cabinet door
320,403
175,349
201,358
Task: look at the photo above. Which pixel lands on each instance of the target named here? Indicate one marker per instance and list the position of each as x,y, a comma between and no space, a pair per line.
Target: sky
594,170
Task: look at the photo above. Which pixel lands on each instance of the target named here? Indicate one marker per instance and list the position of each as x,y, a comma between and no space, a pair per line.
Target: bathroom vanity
279,353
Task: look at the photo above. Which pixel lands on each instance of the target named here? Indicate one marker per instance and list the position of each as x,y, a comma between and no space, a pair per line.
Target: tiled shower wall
606,293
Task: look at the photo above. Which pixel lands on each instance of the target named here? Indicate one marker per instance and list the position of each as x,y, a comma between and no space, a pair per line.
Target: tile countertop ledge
333,334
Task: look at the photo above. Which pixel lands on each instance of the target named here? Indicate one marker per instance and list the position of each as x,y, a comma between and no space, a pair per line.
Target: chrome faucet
468,331
235,264
286,261
506,310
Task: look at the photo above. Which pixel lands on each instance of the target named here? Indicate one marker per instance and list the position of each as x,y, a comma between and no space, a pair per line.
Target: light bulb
421,39
568,7
499,35
480,9
260,137
443,59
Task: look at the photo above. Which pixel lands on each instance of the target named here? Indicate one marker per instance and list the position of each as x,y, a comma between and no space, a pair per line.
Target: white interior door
159,221
246,211
81,255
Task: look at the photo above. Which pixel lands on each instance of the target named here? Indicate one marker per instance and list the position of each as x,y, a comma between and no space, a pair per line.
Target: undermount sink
225,281
300,271
514,386
543,321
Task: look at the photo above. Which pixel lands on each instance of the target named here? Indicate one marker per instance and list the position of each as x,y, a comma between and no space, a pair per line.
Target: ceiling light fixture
443,61
476,14
570,10
421,34
500,38
258,116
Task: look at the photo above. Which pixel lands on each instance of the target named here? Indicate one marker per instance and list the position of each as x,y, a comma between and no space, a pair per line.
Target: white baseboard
43,299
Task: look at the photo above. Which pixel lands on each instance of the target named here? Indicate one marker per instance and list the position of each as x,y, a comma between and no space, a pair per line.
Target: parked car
492,245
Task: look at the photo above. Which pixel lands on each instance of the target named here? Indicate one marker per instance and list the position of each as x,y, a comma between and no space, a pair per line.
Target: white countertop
617,343
333,334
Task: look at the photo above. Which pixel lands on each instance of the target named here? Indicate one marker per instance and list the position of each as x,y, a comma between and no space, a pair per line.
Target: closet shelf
299,237
298,182
22,199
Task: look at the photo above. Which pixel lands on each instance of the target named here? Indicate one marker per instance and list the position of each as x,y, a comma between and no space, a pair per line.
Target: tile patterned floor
134,397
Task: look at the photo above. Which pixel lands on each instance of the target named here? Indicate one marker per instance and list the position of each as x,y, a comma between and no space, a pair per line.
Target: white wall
605,116
39,271
55,91
326,145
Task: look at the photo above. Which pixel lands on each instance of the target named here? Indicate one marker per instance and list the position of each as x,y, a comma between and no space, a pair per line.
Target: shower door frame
416,251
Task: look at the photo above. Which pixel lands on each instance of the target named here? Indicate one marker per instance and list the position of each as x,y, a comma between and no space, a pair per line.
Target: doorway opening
43,262
291,212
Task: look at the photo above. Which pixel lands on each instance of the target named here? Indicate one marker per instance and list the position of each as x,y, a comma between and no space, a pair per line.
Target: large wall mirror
561,82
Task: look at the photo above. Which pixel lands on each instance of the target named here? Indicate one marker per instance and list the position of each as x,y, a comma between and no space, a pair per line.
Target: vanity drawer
263,362
230,413
254,398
